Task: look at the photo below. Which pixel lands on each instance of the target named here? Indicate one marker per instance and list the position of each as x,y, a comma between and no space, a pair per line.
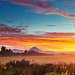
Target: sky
46,24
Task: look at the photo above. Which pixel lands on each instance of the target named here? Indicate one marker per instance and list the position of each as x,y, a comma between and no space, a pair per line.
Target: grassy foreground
24,67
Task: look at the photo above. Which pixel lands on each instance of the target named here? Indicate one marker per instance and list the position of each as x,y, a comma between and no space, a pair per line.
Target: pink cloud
44,8
59,34
31,3
65,14
55,12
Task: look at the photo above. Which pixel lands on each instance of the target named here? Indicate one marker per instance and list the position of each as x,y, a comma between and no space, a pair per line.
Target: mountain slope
35,49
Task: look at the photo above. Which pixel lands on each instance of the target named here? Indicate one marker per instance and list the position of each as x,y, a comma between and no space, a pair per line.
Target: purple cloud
45,7
5,28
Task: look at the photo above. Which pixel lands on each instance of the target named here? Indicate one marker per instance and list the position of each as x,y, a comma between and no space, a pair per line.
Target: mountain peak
34,49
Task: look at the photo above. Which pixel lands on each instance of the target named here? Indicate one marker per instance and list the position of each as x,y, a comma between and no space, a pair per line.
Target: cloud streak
65,14
69,2
50,25
34,3
60,34
45,7
5,28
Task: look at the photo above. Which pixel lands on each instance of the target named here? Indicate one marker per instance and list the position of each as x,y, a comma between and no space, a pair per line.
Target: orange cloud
44,43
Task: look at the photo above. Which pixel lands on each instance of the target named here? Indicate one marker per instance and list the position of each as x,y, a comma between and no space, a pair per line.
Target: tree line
6,52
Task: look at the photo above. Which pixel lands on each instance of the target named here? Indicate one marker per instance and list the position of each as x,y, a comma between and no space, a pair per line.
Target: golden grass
42,59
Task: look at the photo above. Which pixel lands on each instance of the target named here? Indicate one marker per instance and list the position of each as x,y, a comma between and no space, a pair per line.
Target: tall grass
24,67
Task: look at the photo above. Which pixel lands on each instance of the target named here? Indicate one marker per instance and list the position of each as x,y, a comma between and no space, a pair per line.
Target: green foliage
51,73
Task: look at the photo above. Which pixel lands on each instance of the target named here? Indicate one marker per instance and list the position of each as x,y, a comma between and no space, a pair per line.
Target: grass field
42,59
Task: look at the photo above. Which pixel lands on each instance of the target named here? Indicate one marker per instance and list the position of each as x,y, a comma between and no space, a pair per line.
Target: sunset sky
46,24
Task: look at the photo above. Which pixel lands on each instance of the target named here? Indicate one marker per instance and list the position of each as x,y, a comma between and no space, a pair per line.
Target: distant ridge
17,51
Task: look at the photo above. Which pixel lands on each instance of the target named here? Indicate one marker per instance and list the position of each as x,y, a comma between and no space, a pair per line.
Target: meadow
58,64
41,59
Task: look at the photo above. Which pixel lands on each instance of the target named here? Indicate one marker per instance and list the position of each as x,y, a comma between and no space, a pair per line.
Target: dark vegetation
24,67
4,51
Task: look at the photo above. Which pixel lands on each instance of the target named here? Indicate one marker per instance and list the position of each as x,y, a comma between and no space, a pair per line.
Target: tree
3,49
25,51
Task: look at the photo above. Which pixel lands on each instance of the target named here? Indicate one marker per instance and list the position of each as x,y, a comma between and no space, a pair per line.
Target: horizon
39,49
46,24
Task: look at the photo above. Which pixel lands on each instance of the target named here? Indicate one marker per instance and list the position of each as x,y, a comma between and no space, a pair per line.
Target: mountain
17,51
35,49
